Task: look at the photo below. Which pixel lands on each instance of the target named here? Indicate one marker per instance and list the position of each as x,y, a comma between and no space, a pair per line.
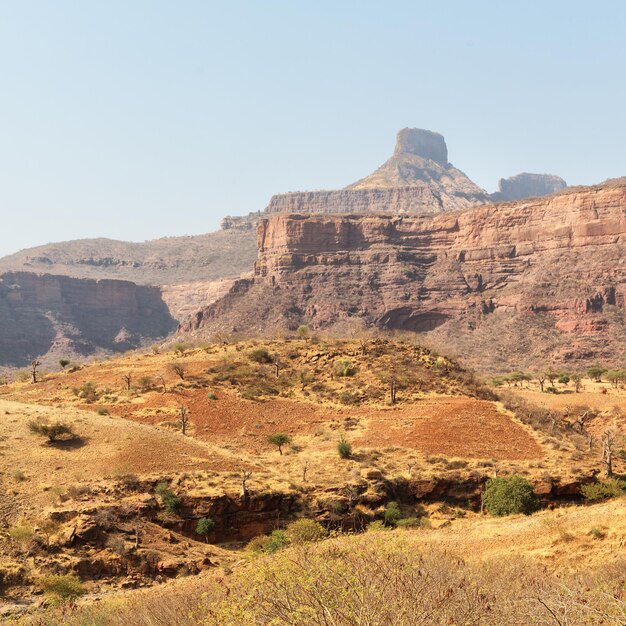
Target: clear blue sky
135,119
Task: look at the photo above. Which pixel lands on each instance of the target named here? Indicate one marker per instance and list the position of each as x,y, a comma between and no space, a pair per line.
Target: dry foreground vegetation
305,481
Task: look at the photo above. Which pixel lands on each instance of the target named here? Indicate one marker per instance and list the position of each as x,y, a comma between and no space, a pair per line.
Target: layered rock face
46,316
507,284
527,186
416,179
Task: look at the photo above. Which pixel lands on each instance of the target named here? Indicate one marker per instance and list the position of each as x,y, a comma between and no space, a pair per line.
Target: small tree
280,440
509,495
33,370
245,476
595,373
183,418
204,527
578,382
608,449
64,363
128,379
303,331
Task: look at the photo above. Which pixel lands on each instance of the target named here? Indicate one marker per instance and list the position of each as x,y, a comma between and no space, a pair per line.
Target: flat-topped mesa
423,143
416,179
527,185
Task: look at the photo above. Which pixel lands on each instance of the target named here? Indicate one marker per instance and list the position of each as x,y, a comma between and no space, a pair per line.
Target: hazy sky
135,119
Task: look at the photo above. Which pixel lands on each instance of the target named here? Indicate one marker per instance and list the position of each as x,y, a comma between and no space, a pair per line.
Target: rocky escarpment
46,316
527,186
508,285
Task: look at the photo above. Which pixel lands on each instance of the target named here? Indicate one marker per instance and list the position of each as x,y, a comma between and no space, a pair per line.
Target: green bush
509,495
409,522
102,411
211,396
171,502
61,589
564,379
64,363
344,449
603,490
276,541
344,367
392,514
305,531
205,526
261,355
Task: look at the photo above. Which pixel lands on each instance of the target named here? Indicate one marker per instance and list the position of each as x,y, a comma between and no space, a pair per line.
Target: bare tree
183,418
161,379
128,379
608,448
276,365
541,379
393,390
34,365
305,469
581,421
245,476
178,369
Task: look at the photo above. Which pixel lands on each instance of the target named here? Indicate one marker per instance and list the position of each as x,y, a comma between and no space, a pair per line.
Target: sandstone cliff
46,316
510,284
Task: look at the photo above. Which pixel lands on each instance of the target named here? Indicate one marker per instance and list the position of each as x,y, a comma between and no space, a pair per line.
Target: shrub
261,355
279,439
64,363
61,588
22,533
564,379
509,495
18,475
303,331
205,526
376,526
305,531
53,431
409,522
180,347
171,502
276,541
88,392
344,449
603,490
211,396
102,411
392,514
145,383
344,367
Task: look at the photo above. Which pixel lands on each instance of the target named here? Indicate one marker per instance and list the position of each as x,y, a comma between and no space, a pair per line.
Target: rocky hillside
55,316
168,261
506,285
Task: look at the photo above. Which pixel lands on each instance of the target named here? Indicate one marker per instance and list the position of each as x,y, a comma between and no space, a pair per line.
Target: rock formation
542,279
416,179
46,316
527,186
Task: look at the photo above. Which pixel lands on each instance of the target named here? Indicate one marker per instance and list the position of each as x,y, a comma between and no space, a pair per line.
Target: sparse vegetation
344,448
61,588
170,501
603,490
204,526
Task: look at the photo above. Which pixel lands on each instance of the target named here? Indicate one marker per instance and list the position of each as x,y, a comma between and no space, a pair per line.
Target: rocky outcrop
527,186
46,316
542,279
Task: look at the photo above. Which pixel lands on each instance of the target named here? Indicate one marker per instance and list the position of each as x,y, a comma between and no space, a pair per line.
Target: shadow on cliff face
407,318
24,335
57,316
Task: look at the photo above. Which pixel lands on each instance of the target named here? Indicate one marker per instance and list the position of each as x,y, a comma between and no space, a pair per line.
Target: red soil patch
452,426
